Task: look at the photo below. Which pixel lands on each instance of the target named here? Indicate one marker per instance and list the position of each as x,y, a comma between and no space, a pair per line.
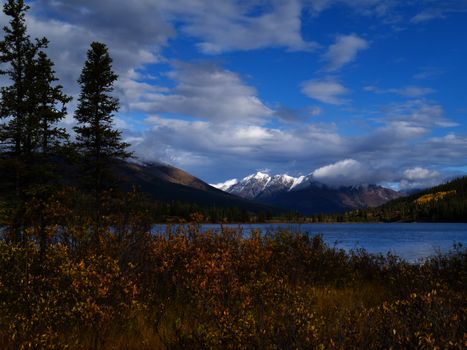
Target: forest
80,267
444,203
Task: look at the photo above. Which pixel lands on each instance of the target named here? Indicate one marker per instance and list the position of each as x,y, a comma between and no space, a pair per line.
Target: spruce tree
17,53
48,140
99,144
51,108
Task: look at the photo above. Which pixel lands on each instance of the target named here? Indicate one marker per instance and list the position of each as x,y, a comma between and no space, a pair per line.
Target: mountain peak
258,176
224,186
305,194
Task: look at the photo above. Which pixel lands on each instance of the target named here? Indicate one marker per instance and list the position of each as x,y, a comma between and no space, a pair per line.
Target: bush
220,290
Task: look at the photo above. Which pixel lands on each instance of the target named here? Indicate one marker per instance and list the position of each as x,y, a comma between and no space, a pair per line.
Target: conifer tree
47,139
99,144
51,108
17,53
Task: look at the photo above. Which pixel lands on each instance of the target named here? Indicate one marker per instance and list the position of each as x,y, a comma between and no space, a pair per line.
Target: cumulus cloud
419,178
227,25
343,51
327,91
419,173
401,140
134,31
349,172
344,170
206,91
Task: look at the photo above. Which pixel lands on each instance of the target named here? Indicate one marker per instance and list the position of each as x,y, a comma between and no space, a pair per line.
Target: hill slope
169,184
443,203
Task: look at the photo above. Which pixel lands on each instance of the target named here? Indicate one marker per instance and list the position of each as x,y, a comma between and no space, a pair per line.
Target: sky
353,91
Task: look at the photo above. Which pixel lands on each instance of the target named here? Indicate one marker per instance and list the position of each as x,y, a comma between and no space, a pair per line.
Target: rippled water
410,241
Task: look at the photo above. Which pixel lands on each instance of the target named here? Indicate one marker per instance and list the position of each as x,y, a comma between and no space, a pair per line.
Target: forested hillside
443,203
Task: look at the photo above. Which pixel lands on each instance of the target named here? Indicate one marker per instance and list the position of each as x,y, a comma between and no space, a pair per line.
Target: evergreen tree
51,108
47,139
17,53
99,144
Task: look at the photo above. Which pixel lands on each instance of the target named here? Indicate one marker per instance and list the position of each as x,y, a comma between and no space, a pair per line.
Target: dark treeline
179,212
443,203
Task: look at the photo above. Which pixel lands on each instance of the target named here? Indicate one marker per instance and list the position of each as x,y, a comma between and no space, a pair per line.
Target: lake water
411,241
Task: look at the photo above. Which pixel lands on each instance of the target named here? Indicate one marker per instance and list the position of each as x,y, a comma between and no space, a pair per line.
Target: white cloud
327,91
419,173
344,51
342,168
418,178
229,25
344,172
208,92
350,172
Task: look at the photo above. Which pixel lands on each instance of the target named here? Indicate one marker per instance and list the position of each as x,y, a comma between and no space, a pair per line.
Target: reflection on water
409,241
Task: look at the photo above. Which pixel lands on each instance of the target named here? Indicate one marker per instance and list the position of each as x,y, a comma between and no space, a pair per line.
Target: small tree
99,144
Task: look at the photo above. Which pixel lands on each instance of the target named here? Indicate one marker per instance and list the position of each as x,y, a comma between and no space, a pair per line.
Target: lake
411,241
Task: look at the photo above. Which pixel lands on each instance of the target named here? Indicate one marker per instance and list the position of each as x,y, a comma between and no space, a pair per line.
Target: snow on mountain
224,186
288,191
251,186
261,185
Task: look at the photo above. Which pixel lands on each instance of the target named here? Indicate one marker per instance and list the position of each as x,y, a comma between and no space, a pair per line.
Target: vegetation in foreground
187,289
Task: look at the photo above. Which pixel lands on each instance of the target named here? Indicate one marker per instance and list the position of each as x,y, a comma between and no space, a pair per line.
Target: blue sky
353,91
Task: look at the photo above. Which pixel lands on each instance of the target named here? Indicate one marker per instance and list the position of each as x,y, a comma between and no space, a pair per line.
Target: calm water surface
412,241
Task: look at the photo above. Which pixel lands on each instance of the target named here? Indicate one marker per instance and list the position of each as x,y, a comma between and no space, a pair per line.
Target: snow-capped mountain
264,185
305,194
224,186
260,185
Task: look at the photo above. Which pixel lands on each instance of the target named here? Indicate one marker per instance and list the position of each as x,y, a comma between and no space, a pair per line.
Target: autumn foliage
185,288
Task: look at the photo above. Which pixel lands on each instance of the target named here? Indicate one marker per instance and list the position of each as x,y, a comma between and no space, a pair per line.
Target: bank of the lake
411,241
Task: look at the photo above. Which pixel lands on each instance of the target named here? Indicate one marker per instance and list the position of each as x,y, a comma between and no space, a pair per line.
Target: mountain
443,203
166,183
306,195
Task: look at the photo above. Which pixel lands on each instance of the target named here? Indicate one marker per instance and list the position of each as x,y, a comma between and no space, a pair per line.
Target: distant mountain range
306,195
166,183
442,203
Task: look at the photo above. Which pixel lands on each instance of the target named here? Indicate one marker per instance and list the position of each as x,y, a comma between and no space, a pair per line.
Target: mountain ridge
306,195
